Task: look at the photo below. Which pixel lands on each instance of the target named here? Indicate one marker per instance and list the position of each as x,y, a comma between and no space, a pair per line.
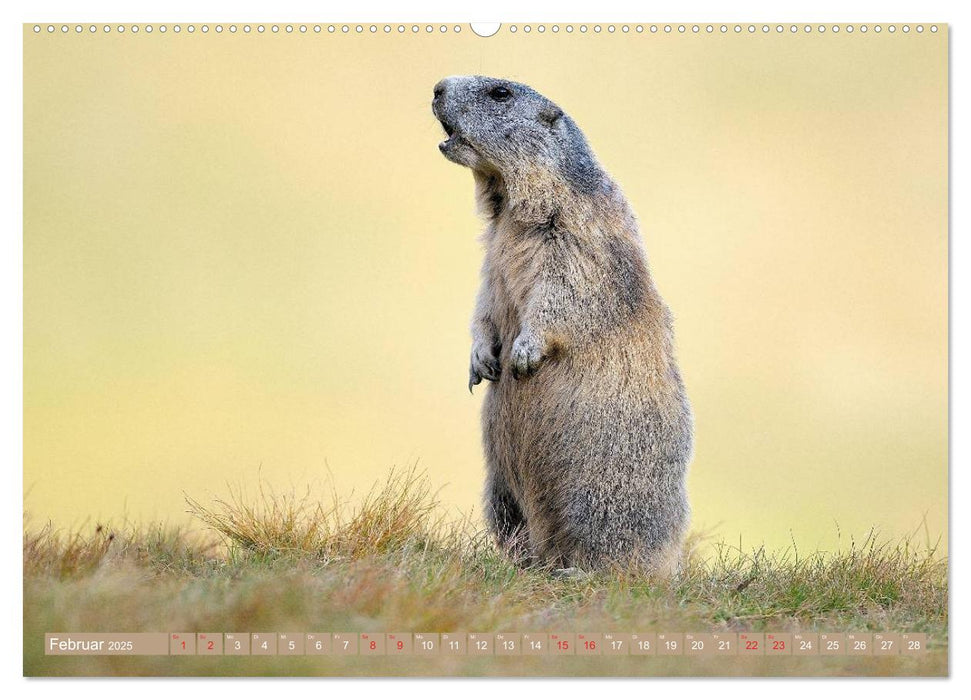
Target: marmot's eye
500,93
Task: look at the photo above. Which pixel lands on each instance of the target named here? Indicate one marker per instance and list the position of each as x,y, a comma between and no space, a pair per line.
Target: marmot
586,425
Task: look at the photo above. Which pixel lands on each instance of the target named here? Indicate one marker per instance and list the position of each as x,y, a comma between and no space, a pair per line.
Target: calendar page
514,349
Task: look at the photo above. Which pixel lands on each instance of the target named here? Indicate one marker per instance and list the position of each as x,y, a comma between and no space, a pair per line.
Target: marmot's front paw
484,364
526,356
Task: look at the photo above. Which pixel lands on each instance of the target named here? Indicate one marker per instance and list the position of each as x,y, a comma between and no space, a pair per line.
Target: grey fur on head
586,426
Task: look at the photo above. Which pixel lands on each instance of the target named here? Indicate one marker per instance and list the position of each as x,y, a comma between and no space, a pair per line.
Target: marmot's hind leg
626,530
506,520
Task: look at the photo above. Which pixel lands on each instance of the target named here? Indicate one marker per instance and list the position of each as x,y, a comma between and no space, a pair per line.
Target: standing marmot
587,429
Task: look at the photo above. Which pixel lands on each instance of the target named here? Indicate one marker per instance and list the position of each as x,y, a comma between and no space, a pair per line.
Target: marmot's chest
507,309
515,259
514,271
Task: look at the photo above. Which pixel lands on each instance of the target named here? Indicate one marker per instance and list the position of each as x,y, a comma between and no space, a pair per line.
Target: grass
394,562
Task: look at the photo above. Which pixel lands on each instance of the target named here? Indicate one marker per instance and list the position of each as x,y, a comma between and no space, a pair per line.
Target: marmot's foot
526,356
484,364
571,572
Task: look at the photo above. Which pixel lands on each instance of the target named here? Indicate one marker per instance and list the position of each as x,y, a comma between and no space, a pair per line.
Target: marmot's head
501,128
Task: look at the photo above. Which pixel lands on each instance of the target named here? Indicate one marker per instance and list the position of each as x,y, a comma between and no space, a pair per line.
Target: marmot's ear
550,115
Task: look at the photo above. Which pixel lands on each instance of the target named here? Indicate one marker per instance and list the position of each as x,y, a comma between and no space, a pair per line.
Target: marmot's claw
483,366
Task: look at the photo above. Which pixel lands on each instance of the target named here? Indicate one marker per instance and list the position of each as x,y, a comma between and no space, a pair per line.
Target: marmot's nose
439,89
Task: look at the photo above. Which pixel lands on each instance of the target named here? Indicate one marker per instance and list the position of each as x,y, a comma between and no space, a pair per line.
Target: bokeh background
245,260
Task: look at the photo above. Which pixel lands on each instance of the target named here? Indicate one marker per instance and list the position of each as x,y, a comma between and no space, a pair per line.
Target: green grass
394,562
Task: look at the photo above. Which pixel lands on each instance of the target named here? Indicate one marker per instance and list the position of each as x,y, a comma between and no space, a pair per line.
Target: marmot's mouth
455,147
450,133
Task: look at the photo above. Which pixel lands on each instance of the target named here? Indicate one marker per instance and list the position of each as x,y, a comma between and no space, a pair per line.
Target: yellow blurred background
245,259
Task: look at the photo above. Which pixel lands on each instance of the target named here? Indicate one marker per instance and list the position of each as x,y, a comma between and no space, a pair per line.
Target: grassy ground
393,563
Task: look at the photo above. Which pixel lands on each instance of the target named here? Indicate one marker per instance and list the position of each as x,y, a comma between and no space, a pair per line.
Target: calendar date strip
483,644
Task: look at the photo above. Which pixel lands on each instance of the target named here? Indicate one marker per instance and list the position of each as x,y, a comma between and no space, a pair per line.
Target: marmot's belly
558,429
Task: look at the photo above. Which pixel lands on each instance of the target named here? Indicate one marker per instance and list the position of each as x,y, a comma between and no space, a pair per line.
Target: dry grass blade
65,556
401,512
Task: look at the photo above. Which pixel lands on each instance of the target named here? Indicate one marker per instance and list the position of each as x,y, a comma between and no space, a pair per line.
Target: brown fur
586,425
